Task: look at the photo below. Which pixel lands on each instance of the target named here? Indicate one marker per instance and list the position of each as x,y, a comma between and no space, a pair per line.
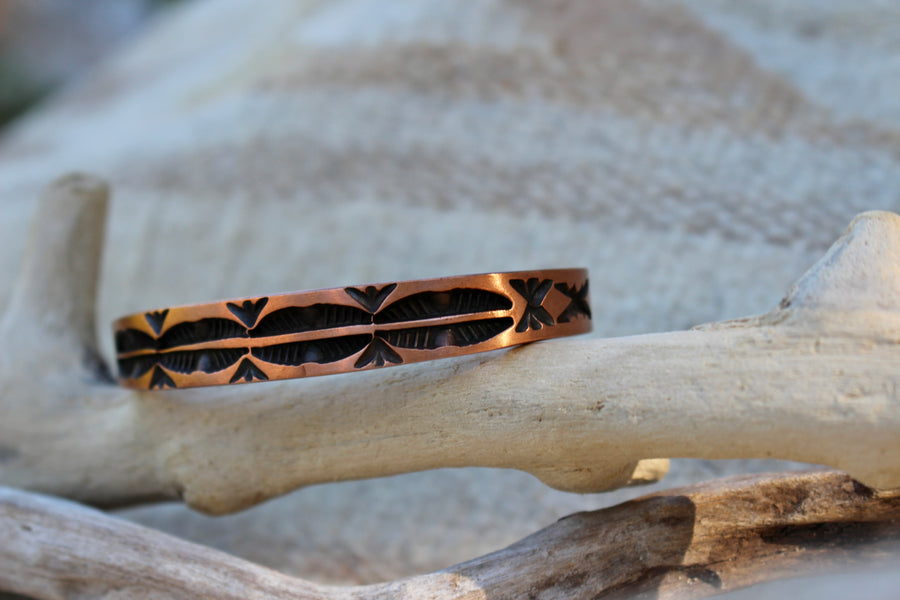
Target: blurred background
46,43
696,155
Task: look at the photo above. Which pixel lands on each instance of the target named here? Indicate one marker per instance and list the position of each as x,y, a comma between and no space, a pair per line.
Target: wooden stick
685,543
815,380
56,291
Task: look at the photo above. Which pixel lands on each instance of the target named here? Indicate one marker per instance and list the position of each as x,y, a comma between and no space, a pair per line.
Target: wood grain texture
684,543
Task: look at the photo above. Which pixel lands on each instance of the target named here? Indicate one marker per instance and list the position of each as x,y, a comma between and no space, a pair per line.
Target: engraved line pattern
140,352
160,379
578,302
313,351
438,336
379,353
156,319
427,305
298,319
204,330
533,291
371,298
248,311
247,371
131,340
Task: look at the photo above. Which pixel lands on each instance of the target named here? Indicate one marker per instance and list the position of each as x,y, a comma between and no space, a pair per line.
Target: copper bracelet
338,330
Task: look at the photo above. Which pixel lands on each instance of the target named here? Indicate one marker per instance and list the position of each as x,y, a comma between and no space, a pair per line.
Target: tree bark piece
690,542
814,381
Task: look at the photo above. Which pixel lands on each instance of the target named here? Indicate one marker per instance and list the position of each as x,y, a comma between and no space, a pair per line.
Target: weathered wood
814,381
684,543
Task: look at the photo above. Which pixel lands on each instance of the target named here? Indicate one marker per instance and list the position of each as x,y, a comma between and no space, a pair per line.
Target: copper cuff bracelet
347,329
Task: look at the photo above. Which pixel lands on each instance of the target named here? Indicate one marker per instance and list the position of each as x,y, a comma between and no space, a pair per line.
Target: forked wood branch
684,543
815,380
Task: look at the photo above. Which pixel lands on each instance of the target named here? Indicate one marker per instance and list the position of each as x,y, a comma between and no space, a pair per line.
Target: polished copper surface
301,334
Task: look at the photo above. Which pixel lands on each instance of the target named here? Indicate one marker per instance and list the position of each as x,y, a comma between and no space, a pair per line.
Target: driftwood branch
815,380
684,543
